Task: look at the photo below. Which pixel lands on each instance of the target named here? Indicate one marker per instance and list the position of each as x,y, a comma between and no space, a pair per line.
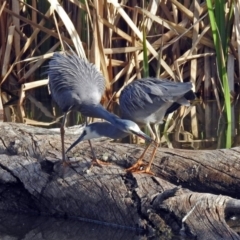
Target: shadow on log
33,180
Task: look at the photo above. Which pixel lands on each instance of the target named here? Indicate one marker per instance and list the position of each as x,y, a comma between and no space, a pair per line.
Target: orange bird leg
157,143
148,167
136,167
96,161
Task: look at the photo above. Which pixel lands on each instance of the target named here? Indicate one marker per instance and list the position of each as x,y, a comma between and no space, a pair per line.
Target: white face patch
90,134
135,128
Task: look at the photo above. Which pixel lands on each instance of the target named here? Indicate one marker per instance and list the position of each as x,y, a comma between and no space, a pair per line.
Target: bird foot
148,171
138,168
99,163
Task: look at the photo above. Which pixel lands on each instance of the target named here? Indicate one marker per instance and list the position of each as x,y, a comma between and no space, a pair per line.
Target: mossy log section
33,180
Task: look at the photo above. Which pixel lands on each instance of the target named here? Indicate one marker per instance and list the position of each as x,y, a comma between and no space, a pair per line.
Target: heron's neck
98,111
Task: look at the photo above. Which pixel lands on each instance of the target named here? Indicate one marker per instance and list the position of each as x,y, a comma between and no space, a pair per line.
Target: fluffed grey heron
76,84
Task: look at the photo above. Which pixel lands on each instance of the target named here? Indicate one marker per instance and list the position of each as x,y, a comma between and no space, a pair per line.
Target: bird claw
99,163
137,168
148,171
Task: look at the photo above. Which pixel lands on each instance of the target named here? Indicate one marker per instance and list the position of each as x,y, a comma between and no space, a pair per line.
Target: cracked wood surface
33,180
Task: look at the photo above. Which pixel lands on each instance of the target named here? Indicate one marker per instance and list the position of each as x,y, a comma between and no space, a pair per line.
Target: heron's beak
144,136
76,142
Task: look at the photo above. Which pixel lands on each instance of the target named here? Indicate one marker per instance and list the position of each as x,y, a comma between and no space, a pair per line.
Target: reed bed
197,41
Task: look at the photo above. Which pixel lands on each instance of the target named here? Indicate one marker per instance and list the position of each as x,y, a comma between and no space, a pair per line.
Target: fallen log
33,180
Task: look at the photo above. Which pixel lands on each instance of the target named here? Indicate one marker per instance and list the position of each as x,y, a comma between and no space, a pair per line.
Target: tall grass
111,34
124,41
221,24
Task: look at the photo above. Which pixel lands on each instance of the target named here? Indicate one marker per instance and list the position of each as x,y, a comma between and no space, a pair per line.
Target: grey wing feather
74,81
149,94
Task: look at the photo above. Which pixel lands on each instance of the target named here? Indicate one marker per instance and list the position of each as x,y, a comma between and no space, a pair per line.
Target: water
23,227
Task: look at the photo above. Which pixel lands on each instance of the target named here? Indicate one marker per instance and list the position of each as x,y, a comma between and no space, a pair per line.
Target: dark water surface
20,226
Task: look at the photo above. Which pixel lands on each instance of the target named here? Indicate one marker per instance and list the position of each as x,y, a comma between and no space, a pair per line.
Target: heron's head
91,131
131,127
120,129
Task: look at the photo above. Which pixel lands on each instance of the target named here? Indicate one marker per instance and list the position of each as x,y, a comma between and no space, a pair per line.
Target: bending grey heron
145,101
76,84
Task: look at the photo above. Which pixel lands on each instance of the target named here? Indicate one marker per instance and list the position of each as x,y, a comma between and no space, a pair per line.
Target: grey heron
76,84
145,101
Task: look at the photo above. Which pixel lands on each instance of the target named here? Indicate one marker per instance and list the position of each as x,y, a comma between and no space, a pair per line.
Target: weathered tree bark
33,180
